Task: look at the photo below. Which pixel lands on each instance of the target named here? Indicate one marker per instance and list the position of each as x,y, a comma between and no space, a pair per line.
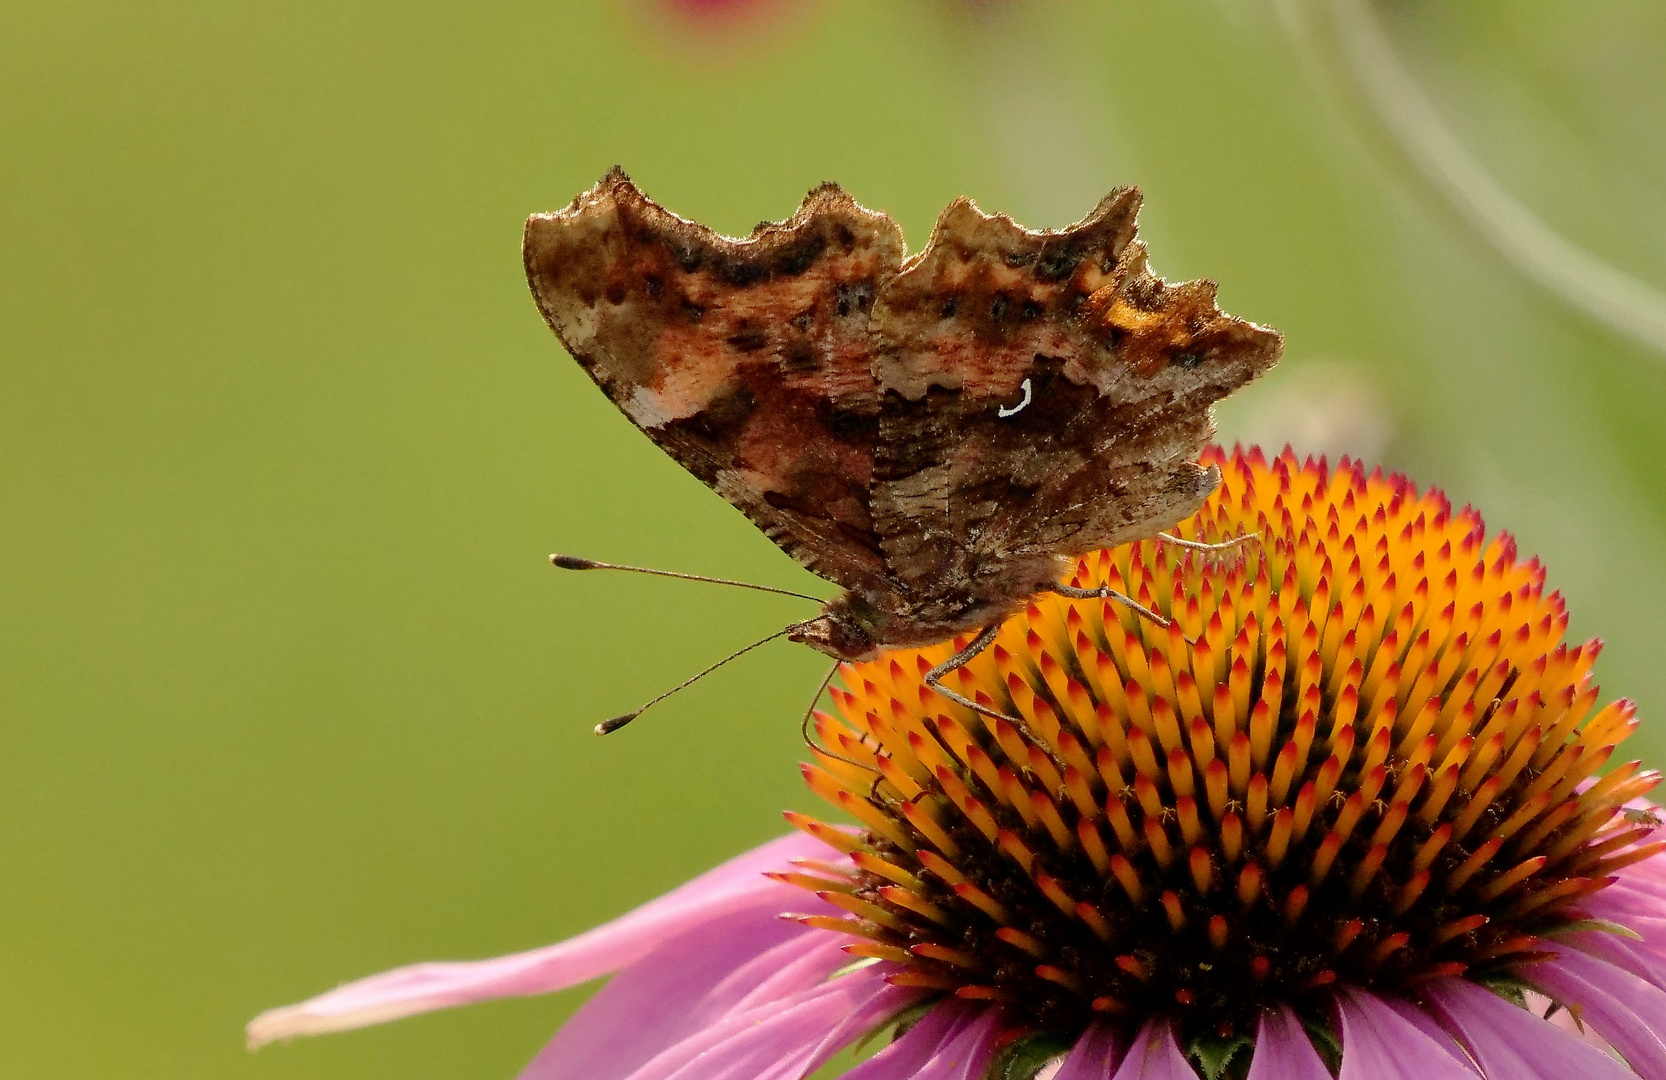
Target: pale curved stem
1575,276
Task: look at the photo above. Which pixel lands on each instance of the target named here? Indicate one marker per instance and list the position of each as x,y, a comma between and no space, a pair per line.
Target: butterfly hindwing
1041,395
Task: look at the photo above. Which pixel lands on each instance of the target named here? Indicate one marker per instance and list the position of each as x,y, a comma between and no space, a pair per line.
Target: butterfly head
845,630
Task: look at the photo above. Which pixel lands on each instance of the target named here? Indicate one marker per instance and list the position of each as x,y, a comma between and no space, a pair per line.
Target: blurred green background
288,692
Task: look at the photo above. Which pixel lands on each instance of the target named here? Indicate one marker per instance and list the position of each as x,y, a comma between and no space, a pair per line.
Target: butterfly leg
1199,545
934,679
1105,592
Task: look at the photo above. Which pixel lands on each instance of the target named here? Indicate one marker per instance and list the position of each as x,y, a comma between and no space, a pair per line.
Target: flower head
1357,756
1343,817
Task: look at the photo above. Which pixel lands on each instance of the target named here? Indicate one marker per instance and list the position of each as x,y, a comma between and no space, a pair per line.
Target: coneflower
1345,815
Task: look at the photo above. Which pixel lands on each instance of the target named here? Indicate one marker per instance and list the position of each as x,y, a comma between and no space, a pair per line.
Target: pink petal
1648,876
1623,1009
1155,1056
1508,1041
1634,956
747,1047
1644,886
887,1001
965,1055
1638,912
735,886
1641,913
1380,1044
1283,1051
1094,1056
1539,1005
776,974
1429,1026
748,1042
1650,927
904,1058
683,986
1651,872
1647,949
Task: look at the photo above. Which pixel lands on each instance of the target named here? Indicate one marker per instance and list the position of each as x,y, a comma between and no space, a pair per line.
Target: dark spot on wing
654,285
1015,494
692,310
688,256
846,238
741,273
853,298
749,338
950,306
861,536
616,294
853,427
801,254
799,356
791,257
1029,311
723,414
998,307
1018,259
782,500
1059,259
1145,294
1187,359
801,321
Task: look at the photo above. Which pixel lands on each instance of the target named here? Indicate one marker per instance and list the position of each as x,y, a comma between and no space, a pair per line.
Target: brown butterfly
939,434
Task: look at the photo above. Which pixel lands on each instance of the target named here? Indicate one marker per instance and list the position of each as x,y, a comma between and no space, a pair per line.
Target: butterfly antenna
573,562
617,722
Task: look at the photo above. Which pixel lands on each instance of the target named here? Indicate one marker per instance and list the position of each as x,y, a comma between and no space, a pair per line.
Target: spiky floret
1362,754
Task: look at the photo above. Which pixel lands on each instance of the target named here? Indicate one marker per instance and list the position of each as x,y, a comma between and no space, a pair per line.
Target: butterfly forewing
747,360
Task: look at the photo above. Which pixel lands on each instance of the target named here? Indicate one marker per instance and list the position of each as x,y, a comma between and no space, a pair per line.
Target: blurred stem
1538,252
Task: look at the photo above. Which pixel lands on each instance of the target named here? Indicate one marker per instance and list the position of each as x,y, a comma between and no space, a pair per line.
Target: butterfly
938,434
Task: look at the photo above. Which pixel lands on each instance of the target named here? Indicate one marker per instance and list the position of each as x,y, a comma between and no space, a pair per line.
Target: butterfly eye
1187,359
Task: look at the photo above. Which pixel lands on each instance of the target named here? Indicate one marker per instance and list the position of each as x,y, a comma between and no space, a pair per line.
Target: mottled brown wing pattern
748,361
1042,394
936,436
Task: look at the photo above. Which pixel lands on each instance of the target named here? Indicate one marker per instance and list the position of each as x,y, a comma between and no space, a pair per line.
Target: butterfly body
938,434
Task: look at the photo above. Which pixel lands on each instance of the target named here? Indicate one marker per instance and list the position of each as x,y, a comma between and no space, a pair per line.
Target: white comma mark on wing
1003,412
